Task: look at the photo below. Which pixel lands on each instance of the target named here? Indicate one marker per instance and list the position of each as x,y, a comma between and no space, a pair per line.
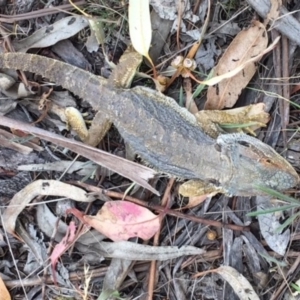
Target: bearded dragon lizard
167,136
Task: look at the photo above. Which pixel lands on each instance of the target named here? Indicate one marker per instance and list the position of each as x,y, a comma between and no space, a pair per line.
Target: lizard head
273,172
255,165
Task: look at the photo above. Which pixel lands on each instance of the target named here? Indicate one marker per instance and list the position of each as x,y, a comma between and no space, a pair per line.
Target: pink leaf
121,220
62,247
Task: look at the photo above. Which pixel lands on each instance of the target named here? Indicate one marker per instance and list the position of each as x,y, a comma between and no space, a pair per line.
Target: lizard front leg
121,77
99,127
248,119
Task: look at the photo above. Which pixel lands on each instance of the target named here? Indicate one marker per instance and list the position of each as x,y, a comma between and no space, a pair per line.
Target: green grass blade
277,194
271,210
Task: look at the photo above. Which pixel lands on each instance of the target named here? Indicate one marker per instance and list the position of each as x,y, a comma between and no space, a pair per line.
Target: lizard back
165,135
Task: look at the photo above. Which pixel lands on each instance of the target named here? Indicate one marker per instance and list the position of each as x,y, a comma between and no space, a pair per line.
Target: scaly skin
167,136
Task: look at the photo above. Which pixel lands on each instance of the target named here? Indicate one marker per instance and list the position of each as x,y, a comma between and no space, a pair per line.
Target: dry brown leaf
246,45
4,294
216,79
137,173
274,10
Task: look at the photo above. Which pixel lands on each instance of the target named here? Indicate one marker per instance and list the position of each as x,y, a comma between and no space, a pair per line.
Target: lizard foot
193,188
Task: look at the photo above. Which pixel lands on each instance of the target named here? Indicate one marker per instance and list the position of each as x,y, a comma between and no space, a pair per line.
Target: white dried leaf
50,35
81,168
268,224
133,251
195,34
168,9
91,43
38,188
238,282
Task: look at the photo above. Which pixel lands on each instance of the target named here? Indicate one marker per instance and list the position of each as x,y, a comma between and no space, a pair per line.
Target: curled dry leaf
238,282
248,44
40,188
121,220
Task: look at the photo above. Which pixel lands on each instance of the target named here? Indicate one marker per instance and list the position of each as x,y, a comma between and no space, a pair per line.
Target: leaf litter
236,68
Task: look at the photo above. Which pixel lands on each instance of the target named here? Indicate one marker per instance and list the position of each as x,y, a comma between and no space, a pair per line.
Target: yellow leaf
140,25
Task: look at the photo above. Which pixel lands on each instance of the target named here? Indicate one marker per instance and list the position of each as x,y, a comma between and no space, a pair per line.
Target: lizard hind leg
193,188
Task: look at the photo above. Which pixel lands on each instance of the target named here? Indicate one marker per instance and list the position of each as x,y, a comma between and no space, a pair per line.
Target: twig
153,267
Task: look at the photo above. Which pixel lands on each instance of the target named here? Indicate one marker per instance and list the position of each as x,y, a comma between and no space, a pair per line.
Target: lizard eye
267,160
